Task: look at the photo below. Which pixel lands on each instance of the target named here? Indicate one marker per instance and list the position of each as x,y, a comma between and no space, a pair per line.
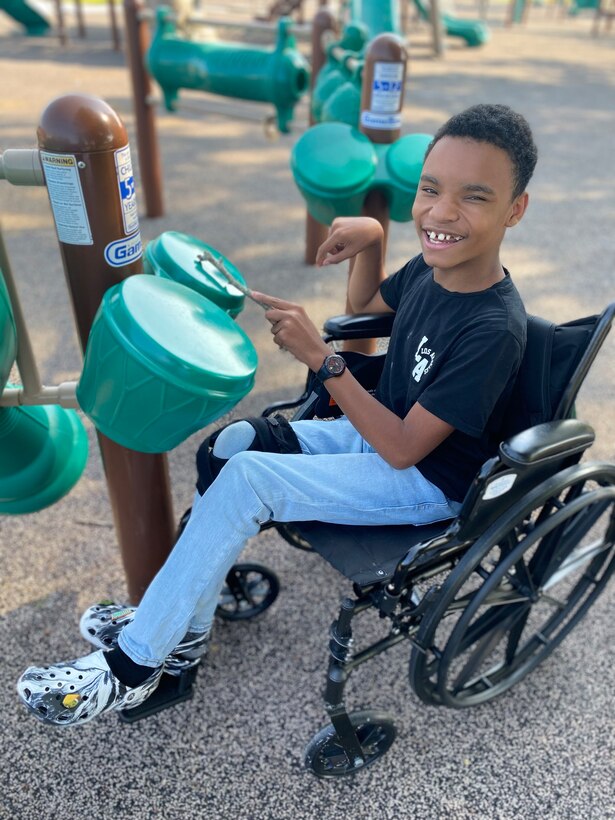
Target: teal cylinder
43,452
379,16
161,363
174,255
344,104
279,76
8,335
404,162
333,165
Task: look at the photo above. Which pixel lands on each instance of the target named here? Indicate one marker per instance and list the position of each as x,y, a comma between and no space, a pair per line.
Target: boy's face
463,206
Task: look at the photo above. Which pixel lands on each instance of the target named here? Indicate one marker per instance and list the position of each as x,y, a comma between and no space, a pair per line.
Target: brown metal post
86,160
80,19
382,98
324,20
61,24
115,32
137,42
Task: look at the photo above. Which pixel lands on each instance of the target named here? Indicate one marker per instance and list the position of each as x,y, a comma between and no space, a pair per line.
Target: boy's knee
233,440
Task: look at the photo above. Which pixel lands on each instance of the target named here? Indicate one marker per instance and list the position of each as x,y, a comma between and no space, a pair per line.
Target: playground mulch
546,749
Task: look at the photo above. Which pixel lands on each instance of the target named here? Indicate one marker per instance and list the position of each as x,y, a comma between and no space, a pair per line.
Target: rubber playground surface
545,749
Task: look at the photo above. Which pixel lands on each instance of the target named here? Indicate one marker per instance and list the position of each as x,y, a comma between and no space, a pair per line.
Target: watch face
335,365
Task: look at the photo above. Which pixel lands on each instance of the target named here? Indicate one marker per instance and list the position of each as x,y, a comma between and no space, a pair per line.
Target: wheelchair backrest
556,361
552,356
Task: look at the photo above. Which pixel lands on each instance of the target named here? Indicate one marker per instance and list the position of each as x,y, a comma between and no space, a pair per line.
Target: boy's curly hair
498,125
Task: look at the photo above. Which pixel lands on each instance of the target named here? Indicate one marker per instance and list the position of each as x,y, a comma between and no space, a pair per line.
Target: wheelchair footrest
171,691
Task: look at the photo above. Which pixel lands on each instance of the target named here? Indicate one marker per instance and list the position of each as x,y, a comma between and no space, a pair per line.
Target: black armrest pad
359,326
546,442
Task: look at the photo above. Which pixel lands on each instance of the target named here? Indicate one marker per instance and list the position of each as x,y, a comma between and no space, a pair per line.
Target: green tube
279,76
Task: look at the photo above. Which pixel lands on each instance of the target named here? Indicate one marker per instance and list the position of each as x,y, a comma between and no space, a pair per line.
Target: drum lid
176,254
186,338
334,157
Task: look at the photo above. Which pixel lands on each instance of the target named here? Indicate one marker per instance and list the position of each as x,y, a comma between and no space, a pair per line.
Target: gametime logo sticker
124,251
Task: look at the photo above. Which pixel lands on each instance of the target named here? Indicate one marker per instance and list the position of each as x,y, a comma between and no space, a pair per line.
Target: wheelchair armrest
359,326
547,442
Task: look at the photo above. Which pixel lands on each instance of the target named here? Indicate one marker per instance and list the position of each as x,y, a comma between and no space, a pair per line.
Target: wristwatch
333,365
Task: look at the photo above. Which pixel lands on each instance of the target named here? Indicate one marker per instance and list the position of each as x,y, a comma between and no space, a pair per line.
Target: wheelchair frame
519,532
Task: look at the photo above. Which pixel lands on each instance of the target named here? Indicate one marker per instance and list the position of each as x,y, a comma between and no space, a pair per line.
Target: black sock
126,670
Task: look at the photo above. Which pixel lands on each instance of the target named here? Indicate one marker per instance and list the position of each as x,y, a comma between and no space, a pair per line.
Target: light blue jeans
337,478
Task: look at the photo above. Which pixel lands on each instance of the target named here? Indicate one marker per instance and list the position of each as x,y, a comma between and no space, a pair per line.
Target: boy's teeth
441,237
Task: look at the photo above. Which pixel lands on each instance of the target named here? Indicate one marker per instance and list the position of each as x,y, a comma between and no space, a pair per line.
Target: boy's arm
360,239
400,442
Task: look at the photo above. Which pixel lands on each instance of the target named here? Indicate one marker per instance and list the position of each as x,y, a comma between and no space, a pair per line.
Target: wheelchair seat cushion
366,555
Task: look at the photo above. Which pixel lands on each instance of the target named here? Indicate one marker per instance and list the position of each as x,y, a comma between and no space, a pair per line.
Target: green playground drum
8,335
161,362
404,163
333,165
174,255
43,452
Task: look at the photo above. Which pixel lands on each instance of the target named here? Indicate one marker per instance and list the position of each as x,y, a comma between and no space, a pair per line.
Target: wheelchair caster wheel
325,754
249,589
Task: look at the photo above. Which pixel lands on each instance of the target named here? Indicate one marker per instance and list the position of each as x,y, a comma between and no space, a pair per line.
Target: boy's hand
293,330
348,236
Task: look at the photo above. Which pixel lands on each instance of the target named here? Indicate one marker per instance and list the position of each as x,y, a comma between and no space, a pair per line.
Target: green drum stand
335,166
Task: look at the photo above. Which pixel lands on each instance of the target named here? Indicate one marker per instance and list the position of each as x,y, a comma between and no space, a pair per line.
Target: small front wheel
249,589
325,754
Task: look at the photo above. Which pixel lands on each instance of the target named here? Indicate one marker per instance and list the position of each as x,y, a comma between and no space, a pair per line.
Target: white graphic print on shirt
424,359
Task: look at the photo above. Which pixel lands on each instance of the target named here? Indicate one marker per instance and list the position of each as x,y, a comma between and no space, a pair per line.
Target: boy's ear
517,209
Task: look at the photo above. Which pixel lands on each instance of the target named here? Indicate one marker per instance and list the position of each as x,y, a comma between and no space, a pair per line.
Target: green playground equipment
34,23
161,363
380,16
579,5
43,453
43,450
336,96
8,335
174,255
278,75
474,32
335,166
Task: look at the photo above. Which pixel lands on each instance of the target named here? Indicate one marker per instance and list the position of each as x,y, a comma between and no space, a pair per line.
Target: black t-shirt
457,354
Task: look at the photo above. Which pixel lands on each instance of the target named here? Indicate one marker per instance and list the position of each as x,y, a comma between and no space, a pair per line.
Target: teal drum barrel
43,452
161,362
333,165
8,335
404,162
174,255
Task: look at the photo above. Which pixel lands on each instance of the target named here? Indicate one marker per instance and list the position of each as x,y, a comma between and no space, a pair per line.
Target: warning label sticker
126,185
66,197
387,88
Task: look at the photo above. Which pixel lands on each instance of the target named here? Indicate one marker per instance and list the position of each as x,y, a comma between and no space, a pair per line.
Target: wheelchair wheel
517,592
325,755
248,591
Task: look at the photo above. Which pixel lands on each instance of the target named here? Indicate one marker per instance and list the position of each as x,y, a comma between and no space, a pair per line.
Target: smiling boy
405,455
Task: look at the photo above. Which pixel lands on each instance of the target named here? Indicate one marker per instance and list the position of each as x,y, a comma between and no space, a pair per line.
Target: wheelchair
481,599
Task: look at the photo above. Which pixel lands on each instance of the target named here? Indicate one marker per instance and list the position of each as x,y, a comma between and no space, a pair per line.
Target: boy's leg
254,487
102,623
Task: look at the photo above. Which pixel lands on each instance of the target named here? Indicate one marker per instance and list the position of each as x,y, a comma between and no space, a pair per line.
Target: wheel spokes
486,645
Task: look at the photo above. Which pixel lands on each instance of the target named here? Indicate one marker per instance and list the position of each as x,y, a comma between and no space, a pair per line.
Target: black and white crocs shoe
102,623
75,692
